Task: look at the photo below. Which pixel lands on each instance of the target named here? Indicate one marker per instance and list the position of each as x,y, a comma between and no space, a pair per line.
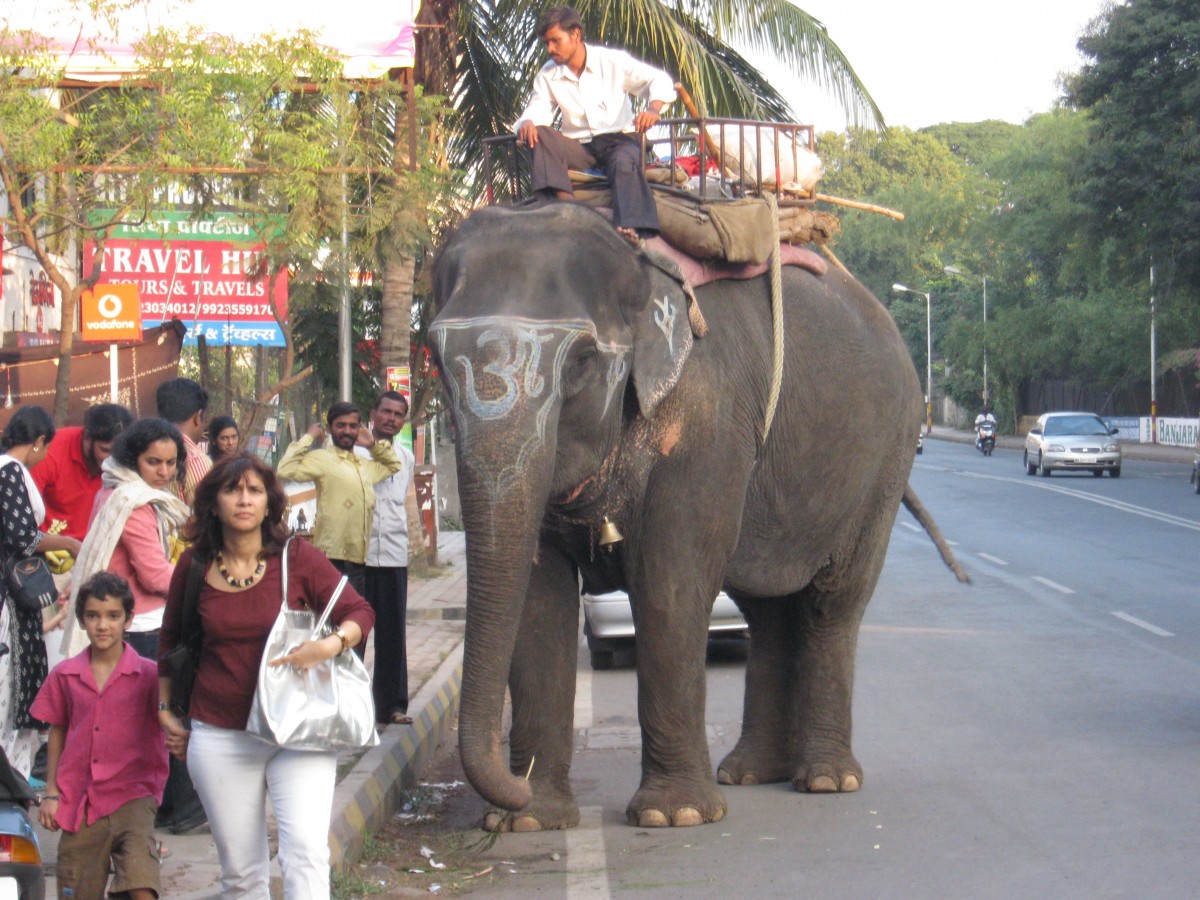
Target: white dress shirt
597,101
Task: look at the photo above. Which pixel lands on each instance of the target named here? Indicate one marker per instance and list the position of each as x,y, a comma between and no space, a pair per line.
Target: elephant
580,395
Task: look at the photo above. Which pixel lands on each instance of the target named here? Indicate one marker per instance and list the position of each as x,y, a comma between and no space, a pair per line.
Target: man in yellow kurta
345,485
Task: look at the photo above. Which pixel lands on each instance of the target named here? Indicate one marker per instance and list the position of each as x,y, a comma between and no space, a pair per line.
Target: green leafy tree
268,127
79,162
1141,87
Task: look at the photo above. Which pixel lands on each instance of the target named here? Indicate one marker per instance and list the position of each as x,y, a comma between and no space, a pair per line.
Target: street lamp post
901,289
954,270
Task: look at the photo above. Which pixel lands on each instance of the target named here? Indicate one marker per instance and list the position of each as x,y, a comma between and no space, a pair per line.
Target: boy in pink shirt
106,762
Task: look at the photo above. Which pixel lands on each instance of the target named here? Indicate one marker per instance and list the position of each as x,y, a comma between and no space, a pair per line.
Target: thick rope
776,320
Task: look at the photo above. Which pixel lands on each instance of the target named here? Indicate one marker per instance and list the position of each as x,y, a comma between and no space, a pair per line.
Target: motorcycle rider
984,417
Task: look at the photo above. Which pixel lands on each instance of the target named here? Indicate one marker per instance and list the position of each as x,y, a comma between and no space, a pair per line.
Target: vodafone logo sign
111,312
109,306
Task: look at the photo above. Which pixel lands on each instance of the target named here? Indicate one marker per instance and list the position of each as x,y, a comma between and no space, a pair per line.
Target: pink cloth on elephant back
699,271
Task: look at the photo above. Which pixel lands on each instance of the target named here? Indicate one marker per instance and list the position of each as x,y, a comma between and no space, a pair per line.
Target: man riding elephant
590,86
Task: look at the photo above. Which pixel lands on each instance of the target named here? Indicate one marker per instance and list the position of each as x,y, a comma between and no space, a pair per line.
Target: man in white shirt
591,87
387,566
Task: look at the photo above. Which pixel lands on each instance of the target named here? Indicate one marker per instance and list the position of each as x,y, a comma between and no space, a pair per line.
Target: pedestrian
223,437
107,760
238,532
589,86
69,476
23,445
345,485
134,528
183,403
134,532
387,566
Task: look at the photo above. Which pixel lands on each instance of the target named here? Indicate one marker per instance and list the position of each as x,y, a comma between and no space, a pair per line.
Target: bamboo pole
855,204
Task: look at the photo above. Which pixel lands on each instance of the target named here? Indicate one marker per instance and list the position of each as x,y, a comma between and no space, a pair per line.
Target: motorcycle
21,874
985,438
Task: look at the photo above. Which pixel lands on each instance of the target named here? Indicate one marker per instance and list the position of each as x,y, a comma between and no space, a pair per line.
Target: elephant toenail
525,824
850,783
652,818
687,817
723,777
822,784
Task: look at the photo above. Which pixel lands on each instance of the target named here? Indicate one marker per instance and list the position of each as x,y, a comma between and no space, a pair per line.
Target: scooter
21,874
985,438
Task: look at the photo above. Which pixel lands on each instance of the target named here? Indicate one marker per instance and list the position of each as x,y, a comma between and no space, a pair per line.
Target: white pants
233,773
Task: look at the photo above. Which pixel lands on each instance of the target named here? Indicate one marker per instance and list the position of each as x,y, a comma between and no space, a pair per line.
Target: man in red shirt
69,476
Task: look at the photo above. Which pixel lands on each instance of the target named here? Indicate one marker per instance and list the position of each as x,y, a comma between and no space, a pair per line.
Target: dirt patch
426,847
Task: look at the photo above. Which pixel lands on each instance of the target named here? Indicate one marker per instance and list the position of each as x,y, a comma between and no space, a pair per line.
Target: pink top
150,577
114,751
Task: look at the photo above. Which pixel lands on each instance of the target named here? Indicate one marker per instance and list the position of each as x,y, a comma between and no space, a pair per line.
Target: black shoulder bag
182,660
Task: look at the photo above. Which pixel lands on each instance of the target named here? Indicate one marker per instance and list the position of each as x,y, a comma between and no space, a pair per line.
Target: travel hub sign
201,272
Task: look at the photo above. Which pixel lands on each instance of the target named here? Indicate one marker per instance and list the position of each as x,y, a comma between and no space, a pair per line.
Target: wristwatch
163,706
341,636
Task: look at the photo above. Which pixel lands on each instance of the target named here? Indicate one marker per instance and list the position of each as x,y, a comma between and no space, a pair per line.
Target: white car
1072,441
608,624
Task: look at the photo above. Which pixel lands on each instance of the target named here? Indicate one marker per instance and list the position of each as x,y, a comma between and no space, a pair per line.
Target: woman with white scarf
134,522
23,666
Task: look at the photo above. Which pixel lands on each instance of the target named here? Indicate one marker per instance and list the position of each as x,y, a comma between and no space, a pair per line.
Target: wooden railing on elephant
739,158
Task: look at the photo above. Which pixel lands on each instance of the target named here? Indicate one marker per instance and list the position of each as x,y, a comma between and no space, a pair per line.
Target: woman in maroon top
237,529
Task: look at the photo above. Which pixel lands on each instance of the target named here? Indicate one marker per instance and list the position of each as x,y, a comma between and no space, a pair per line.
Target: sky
931,61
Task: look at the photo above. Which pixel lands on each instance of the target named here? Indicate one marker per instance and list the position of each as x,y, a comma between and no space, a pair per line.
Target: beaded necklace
240,582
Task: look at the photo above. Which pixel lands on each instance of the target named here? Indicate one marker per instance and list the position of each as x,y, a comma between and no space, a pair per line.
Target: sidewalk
1129,449
368,786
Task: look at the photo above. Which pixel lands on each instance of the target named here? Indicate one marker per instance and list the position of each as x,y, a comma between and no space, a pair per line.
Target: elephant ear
662,334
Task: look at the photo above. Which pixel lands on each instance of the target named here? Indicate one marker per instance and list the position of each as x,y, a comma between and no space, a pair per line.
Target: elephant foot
676,805
743,765
829,778
540,815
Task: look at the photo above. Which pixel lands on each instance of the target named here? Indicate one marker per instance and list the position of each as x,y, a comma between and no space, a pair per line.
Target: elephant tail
913,504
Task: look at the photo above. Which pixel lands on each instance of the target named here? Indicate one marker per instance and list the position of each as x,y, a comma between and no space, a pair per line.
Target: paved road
1031,735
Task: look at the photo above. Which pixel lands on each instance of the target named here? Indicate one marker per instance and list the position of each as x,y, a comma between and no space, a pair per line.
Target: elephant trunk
502,528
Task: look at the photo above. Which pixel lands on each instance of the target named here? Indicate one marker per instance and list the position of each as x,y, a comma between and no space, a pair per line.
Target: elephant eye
581,366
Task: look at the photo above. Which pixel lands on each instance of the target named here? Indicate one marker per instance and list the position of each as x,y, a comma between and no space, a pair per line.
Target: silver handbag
326,707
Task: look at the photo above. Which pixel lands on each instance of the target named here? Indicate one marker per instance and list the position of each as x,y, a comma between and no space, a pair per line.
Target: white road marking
1043,484
587,862
993,559
1061,588
1153,629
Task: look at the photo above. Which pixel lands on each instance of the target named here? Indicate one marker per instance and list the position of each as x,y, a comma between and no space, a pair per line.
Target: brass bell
609,534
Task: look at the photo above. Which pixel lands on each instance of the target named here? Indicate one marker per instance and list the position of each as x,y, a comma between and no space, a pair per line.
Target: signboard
370,37
110,313
198,272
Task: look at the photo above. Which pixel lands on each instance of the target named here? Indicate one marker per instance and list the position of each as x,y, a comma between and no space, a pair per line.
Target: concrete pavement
369,784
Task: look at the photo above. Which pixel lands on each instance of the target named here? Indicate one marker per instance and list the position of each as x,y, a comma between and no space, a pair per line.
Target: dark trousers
354,572
181,804
619,155
387,592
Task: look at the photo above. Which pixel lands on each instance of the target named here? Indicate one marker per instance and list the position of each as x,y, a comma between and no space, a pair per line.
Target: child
107,762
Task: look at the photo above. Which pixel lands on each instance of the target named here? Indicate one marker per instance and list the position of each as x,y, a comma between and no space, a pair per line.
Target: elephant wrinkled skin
578,393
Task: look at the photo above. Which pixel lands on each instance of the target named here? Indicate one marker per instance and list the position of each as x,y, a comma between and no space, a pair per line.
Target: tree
81,161
1141,88
269,128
